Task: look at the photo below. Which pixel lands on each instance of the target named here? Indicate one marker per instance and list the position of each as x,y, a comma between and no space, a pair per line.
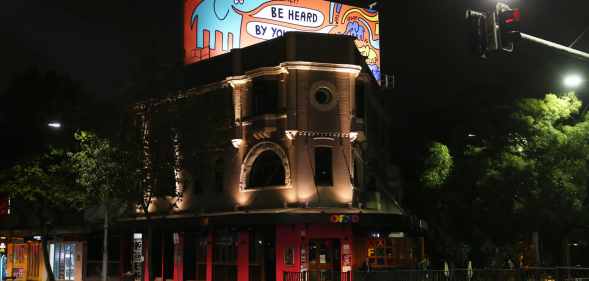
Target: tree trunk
105,246
46,260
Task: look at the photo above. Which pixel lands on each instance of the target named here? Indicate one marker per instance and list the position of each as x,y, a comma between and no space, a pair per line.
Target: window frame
316,179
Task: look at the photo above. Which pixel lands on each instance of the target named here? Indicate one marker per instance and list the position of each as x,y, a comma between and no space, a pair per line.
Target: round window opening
323,96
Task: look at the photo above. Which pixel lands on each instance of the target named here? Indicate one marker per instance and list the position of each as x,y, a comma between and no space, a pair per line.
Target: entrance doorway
262,254
324,260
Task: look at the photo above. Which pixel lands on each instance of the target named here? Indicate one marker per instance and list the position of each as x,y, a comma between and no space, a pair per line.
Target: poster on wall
138,256
304,260
214,27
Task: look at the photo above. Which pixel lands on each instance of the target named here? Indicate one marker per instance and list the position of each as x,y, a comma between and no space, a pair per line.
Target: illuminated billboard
213,27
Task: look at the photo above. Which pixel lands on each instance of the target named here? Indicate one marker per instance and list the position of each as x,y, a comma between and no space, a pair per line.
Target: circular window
323,96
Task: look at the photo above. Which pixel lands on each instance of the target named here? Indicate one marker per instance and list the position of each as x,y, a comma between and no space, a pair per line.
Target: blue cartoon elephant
223,16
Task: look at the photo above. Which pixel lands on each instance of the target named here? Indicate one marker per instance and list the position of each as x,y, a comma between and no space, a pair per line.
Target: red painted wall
146,255
243,256
178,258
210,257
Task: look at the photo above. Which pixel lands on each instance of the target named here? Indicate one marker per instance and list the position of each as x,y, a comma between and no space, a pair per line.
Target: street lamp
573,81
54,125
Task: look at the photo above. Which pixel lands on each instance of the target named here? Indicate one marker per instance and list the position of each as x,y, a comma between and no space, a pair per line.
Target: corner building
270,177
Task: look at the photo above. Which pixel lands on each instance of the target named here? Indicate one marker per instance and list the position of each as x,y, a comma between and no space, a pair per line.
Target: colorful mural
213,27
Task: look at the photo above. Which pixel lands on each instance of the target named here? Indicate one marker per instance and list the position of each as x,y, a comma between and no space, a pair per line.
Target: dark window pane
168,244
323,170
189,257
323,96
359,98
156,252
219,175
267,170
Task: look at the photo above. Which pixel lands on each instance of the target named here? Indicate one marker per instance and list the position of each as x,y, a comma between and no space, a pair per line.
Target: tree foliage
437,165
533,178
102,169
44,181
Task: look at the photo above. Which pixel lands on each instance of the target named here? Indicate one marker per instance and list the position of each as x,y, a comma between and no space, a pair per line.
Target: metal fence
526,274
323,275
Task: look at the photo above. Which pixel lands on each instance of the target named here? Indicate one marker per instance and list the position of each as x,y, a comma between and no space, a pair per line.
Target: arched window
267,170
265,167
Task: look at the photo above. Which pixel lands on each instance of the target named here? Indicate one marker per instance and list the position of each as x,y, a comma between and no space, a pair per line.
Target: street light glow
573,80
55,125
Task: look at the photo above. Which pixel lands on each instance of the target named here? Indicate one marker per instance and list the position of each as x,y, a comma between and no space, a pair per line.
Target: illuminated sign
213,27
344,218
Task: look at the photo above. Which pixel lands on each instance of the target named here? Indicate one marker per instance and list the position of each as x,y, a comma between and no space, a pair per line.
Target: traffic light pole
562,48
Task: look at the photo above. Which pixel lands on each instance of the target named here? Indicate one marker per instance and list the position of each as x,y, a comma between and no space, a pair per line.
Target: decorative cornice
316,66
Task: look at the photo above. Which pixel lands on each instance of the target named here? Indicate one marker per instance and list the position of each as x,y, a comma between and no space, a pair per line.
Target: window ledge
266,188
264,117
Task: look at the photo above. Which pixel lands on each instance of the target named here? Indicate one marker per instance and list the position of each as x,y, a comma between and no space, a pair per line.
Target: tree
43,187
103,171
503,187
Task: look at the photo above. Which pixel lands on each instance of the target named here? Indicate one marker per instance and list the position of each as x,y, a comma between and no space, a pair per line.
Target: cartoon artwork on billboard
213,27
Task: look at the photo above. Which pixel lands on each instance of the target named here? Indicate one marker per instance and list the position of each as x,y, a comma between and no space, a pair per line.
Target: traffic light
477,32
509,27
490,32
483,33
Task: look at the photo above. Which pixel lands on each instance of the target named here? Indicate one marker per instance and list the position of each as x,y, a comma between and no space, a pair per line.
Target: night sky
440,84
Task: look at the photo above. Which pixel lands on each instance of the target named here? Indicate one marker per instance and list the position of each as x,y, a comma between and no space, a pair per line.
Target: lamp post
573,81
54,125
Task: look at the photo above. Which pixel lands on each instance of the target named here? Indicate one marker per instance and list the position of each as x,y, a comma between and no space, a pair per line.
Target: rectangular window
201,258
219,169
34,259
225,256
189,256
63,258
289,256
323,166
391,252
168,251
359,99
264,96
19,262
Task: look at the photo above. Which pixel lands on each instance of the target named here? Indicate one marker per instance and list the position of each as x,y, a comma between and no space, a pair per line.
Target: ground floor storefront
317,247
313,246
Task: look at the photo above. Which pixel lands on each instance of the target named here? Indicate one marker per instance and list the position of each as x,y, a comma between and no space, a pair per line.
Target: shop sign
344,218
138,256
